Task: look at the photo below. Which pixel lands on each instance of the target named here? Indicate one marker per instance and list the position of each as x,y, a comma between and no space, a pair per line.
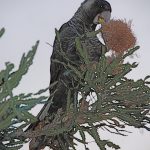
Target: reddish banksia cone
118,35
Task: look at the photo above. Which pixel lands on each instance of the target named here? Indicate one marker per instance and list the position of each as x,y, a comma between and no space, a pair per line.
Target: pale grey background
29,20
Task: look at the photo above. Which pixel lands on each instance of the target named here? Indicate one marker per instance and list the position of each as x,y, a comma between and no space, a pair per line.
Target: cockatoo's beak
106,15
103,17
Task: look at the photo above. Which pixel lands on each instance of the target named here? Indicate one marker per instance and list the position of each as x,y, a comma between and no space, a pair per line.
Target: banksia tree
103,96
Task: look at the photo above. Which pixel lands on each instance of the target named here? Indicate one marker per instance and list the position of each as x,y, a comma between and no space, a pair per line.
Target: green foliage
2,32
14,109
108,99
104,98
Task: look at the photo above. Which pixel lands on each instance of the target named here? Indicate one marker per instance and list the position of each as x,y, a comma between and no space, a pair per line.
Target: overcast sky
27,21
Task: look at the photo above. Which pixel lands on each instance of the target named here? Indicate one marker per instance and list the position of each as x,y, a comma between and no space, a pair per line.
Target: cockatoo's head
98,11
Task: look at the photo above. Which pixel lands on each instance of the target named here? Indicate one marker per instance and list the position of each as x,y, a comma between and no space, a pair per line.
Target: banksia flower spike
118,35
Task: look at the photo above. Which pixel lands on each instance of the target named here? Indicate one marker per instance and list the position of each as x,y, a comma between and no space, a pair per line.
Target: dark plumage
78,25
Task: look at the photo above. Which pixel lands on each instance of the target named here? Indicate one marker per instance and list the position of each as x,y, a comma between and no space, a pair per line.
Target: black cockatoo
84,20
